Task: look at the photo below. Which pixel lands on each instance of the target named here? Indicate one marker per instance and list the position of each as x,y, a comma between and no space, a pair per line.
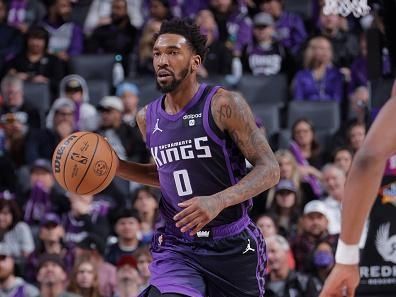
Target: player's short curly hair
188,30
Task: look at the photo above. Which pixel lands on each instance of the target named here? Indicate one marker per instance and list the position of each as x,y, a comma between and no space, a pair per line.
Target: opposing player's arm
233,115
142,173
366,172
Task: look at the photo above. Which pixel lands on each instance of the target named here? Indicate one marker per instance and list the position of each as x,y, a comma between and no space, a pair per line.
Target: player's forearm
261,178
361,190
141,173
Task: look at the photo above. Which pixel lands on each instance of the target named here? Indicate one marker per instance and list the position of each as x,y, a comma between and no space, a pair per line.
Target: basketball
84,163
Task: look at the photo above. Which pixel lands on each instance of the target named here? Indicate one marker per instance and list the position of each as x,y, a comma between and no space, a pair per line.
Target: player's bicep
234,116
141,121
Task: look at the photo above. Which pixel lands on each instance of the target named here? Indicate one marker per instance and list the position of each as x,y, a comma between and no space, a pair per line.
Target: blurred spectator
84,279
323,261
52,277
160,10
334,180
92,247
267,226
15,141
127,228
100,10
50,241
11,285
35,64
188,9
86,216
129,94
290,29
118,37
356,132
128,278
307,152
234,25
124,139
24,13
147,203
319,80
75,88
342,158
13,231
12,91
218,58
43,196
41,143
144,259
285,208
66,38
281,279
146,43
315,229
345,44
265,56
8,175
358,85
11,40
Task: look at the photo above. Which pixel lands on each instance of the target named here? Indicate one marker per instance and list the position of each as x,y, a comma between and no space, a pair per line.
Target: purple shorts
225,261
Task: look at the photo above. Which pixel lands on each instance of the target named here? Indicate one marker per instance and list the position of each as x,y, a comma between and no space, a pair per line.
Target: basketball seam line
64,166
111,165
90,162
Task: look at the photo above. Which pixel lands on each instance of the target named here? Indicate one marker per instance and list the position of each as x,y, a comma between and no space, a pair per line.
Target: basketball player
199,137
360,192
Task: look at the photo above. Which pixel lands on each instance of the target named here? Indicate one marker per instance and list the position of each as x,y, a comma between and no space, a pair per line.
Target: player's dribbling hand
197,212
341,282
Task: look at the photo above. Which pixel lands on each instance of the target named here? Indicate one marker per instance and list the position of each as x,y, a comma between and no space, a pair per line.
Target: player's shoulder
224,96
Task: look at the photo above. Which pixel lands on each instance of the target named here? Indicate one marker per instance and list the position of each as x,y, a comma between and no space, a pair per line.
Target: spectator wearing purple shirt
66,38
235,28
290,29
320,80
24,13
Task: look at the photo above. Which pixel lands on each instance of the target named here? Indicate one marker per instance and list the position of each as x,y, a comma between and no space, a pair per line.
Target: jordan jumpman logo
248,248
156,128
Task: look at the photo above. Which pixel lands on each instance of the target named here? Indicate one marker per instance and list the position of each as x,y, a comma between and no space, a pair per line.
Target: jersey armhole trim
148,124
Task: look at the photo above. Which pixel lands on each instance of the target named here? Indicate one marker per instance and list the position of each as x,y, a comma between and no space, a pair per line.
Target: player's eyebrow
177,47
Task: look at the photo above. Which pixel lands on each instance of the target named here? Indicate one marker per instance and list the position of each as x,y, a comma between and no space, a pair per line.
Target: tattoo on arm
233,115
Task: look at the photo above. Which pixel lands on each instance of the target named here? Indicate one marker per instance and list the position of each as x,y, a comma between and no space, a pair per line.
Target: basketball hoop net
345,7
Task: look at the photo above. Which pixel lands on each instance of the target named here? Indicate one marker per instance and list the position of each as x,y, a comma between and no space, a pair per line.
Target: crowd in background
56,243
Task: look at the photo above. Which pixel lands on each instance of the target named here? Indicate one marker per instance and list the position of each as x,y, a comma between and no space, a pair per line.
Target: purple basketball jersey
193,157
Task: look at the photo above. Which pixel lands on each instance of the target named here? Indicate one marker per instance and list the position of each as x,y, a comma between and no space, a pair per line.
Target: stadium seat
93,67
300,7
147,89
264,89
97,90
380,91
269,115
325,115
322,136
38,96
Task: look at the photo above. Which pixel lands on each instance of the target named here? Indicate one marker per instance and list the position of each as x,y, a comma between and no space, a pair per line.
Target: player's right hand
341,282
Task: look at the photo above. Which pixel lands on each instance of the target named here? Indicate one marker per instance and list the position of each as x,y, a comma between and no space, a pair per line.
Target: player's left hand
197,212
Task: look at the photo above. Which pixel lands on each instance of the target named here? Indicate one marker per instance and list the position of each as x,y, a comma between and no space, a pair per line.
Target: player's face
173,61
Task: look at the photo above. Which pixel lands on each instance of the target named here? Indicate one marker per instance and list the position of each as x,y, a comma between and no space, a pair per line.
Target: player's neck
179,98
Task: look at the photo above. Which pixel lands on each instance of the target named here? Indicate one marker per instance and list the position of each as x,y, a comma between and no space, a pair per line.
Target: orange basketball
84,163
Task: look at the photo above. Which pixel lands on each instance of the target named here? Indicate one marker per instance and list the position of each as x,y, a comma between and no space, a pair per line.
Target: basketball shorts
224,261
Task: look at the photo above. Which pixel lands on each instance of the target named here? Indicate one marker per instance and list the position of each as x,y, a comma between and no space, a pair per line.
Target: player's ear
196,62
